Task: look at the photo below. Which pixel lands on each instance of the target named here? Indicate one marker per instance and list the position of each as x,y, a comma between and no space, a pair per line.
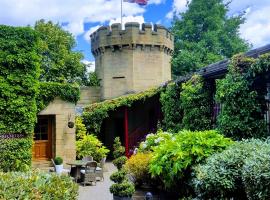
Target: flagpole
121,14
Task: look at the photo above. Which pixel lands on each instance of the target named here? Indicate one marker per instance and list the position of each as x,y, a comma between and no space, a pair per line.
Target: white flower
149,135
144,145
157,140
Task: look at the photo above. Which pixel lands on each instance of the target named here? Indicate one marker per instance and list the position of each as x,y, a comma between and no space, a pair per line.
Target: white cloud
257,27
89,32
177,7
126,19
90,65
74,13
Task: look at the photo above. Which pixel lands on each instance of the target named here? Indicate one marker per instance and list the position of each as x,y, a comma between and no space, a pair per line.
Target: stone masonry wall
64,137
131,60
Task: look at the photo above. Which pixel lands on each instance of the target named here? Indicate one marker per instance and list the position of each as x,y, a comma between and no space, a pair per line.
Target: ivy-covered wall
49,90
19,72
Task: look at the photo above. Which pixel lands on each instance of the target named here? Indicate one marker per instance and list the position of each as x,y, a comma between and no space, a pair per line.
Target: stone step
43,165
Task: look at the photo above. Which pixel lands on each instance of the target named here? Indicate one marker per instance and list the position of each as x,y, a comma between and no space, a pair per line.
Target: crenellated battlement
132,36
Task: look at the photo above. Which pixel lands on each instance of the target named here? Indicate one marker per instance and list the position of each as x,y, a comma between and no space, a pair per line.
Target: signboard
12,135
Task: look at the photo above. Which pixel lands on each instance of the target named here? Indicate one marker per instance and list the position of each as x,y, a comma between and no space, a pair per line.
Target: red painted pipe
126,131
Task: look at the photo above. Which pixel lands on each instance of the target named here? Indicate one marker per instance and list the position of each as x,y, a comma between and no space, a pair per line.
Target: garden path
101,190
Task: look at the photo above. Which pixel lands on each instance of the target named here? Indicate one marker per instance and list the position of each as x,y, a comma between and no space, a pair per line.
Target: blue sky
82,17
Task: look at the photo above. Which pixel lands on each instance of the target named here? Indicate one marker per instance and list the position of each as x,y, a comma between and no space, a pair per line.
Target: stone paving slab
101,190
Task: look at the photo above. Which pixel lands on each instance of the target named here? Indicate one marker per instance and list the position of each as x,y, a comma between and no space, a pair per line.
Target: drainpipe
126,131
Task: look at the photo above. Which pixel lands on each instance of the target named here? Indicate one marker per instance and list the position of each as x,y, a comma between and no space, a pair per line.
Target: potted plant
58,161
122,189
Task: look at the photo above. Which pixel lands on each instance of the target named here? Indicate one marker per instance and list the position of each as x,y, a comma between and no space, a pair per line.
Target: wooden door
42,149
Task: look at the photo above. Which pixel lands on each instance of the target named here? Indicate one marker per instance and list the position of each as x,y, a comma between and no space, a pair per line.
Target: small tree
118,154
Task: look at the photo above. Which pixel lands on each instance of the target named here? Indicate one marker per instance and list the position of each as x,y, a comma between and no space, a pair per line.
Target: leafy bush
196,103
221,175
36,185
171,107
58,160
256,174
138,166
118,149
124,189
19,72
153,140
119,176
173,159
91,146
241,115
119,162
80,128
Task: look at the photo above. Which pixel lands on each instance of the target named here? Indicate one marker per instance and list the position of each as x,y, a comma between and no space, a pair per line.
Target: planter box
121,198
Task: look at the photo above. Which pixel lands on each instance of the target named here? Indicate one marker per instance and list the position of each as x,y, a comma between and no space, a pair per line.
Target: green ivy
240,115
19,72
49,90
171,107
196,104
94,114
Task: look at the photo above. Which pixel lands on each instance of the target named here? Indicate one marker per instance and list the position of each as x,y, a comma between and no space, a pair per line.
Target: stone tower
131,60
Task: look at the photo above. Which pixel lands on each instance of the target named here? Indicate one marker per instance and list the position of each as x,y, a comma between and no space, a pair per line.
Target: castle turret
131,60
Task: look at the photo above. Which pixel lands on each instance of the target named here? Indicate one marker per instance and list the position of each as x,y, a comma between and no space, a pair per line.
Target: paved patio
101,190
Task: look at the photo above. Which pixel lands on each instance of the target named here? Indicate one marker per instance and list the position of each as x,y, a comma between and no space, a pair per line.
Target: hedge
19,72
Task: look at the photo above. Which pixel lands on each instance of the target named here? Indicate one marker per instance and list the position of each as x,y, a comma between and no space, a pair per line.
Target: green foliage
94,114
118,149
58,160
221,176
37,185
240,115
196,102
119,162
19,72
124,189
171,107
89,145
49,90
138,167
119,176
205,34
92,79
59,62
256,174
80,128
172,160
153,140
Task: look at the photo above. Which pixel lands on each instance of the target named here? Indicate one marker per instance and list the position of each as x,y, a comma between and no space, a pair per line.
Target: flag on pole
140,2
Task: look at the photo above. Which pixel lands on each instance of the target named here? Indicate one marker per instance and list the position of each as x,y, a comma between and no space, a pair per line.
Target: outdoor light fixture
148,196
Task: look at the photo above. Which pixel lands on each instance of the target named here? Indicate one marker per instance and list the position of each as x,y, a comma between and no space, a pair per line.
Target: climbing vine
49,90
94,114
196,104
241,115
19,72
171,107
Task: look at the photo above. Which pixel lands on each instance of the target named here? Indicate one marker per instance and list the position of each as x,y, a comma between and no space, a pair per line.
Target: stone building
127,61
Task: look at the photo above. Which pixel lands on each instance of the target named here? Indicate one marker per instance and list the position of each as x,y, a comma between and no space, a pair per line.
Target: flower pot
70,124
59,169
115,197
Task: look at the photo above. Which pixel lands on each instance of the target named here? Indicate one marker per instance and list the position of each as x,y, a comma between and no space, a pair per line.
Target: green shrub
256,174
36,185
80,128
138,167
153,140
118,150
171,107
58,160
19,72
119,176
91,146
196,101
173,159
124,189
119,162
221,176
